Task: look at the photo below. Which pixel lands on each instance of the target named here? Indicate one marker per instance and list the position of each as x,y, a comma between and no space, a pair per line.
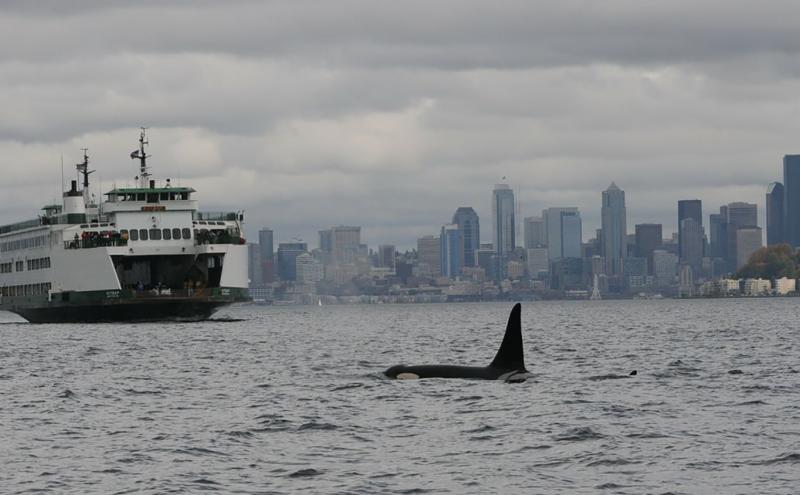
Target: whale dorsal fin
509,356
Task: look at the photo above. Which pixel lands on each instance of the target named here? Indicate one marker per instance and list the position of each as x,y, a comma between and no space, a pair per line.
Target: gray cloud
391,115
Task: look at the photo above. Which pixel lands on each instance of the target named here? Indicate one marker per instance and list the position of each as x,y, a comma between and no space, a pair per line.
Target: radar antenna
142,156
83,170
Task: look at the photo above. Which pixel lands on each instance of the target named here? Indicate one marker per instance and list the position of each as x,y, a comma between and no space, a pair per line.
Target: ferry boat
143,253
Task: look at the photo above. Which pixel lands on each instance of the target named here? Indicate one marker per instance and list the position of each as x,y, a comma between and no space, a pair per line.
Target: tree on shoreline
772,262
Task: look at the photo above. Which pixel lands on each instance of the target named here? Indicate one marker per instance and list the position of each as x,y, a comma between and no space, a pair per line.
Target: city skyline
306,118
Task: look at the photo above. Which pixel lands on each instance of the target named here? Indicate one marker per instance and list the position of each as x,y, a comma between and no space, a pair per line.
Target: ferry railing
203,236
95,242
216,216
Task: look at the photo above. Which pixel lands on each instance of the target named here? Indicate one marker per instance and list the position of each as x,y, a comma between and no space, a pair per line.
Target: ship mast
142,156
83,170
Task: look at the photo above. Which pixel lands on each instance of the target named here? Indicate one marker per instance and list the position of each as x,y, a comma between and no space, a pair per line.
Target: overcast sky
390,115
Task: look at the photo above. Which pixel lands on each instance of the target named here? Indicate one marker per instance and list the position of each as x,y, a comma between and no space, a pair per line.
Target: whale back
510,356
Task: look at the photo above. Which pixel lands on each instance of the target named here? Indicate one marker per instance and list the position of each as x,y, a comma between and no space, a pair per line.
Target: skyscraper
503,220
266,255
775,219
688,208
718,233
254,266
615,230
649,237
791,199
345,243
691,244
740,216
564,232
535,235
429,255
748,241
287,258
743,214
469,224
451,250
386,256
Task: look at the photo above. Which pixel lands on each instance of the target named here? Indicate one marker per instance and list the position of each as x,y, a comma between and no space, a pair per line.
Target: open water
291,399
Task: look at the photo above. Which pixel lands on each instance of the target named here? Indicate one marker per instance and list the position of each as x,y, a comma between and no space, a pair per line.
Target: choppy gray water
291,399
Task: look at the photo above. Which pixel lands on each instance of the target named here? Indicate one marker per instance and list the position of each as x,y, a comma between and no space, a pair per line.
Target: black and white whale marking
508,364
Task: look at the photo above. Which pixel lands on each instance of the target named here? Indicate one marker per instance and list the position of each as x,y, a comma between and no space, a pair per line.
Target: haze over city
389,116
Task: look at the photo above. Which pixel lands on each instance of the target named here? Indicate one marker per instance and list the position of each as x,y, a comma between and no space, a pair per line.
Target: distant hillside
772,262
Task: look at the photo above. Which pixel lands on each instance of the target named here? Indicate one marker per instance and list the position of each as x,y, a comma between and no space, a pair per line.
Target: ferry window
143,234
186,233
152,198
164,196
184,195
167,234
172,196
176,233
140,197
134,235
155,234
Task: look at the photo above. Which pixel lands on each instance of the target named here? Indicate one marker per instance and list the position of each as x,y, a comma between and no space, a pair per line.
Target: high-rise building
469,224
345,243
742,214
564,232
691,244
615,230
429,255
538,262
325,241
775,219
748,241
254,270
718,233
451,251
535,234
386,256
267,255
649,237
503,220
665,267
287,259
688,208
791,199
308,270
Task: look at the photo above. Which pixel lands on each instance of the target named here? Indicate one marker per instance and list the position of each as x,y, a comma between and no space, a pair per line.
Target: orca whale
508,364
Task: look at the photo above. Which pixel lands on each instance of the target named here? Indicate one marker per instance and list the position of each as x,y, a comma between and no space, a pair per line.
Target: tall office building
748,241
791,199
615,230
254,272
287,259
345,243
740,216
743,214
688,208
718,233
503,220
535,235
429,255
469,224
325,241
386,256
775,214
267,255
649,237
451,251
564,232
691,244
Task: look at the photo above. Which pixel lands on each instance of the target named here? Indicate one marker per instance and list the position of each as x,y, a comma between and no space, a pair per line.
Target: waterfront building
757,287
538,262
688,208
649,237
784,286
503,219
686,276
287,258
748,241
267,255
614,227
429,256
535,234
451,250
469,224
775,219
791,199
